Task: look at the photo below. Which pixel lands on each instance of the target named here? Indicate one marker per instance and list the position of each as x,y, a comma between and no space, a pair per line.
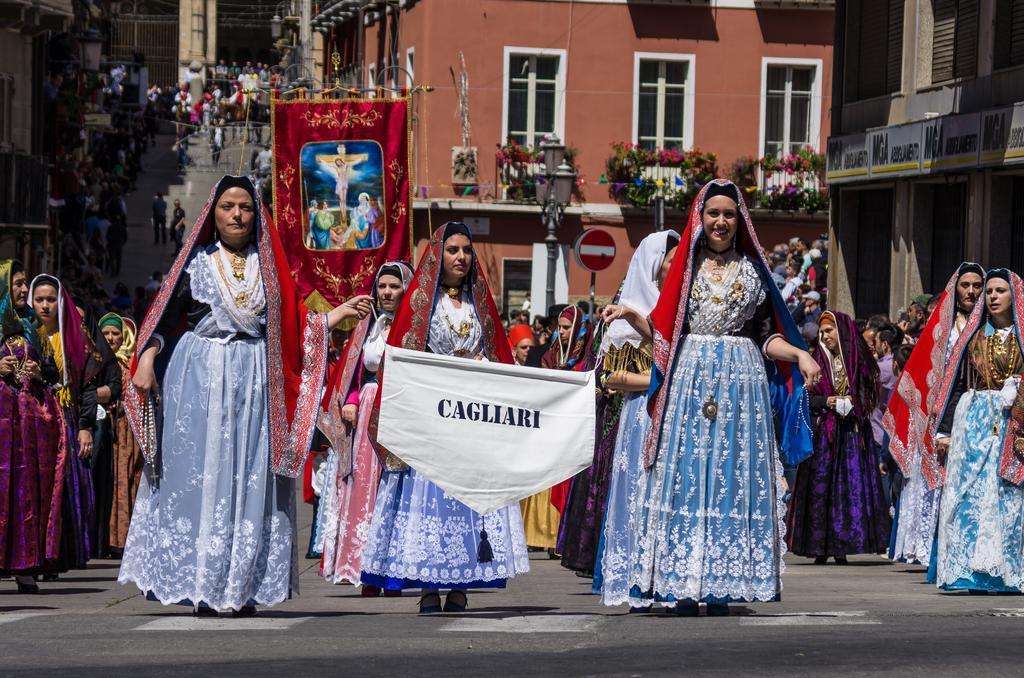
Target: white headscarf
373,345
640,288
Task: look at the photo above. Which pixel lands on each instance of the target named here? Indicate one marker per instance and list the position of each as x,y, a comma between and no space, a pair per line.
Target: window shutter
1009,33
943,39
894,67
873,52
851,84
965,62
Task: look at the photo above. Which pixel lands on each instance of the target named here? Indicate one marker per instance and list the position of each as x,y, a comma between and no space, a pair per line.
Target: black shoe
821,560
841,560
685,608
244,611
204,610
27,587
641,610
970,592
50,577
430,603
718,610
457,604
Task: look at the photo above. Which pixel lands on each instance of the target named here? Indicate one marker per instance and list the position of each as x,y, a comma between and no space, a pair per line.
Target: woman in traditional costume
980,544
421,537
354,472
581,500
710,524
838,507
214,518
77,369
127,460
32,454
906,418
626,367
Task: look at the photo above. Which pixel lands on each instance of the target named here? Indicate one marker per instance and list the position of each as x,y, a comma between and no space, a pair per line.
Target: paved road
871,617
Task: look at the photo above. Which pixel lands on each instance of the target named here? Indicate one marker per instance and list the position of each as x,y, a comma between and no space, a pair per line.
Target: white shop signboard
847,159
1002,136
896,151
951,142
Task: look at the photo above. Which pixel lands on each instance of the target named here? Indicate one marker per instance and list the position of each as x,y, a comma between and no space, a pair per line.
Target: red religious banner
342,194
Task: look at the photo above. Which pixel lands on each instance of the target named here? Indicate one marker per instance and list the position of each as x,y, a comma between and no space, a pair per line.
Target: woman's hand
349,412
831,402
809,368
7,365
358,307
144,378
84,444
612,312
33,370
942,449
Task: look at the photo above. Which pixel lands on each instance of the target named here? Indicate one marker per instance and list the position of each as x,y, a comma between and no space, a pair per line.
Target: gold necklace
243,296
238,262
465,327
453,292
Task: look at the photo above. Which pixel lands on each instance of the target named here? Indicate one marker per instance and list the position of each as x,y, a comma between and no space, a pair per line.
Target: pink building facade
737,78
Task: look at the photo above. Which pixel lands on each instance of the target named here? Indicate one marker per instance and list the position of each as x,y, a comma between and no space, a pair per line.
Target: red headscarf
906,417
296,340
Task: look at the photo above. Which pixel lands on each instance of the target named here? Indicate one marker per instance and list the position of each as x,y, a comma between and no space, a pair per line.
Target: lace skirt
217,526
919,516
981,516
710,523
623,499
421,537
351,497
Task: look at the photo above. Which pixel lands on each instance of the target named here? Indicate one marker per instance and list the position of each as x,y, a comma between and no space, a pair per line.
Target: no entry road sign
594,249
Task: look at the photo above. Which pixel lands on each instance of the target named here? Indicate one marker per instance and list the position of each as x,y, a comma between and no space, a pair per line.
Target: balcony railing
24,188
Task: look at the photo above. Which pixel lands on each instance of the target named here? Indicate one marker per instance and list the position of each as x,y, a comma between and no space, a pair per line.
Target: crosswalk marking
835,618
226,623
568,623
9,617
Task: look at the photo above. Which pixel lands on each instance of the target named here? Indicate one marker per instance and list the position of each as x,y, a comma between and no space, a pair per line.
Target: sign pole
593,285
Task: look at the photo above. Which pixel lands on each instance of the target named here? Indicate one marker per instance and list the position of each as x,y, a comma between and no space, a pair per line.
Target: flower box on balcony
789,183
635,174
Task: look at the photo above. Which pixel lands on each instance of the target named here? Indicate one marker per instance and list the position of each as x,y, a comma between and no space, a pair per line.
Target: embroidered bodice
237,307
455,331
724,299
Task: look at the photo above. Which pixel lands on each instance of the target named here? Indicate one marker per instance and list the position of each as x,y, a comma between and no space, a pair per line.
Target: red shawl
411,326
1011,465
296,345
668,322
906,418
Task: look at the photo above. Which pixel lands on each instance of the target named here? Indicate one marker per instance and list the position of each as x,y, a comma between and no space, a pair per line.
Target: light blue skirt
420,537
623,498
981,516
217,527
710,526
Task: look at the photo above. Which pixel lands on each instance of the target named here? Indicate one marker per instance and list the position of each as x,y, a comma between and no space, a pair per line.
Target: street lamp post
554,190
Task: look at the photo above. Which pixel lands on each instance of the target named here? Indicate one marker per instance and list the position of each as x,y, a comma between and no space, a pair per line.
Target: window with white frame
789,107
371,79
410,67
662,89
532,97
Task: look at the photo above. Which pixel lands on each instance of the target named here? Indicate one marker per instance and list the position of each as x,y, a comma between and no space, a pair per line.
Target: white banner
486,433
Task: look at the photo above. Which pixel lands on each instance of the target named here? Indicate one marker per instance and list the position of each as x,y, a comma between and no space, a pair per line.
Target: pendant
710,408
453,292
465,327
240,298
